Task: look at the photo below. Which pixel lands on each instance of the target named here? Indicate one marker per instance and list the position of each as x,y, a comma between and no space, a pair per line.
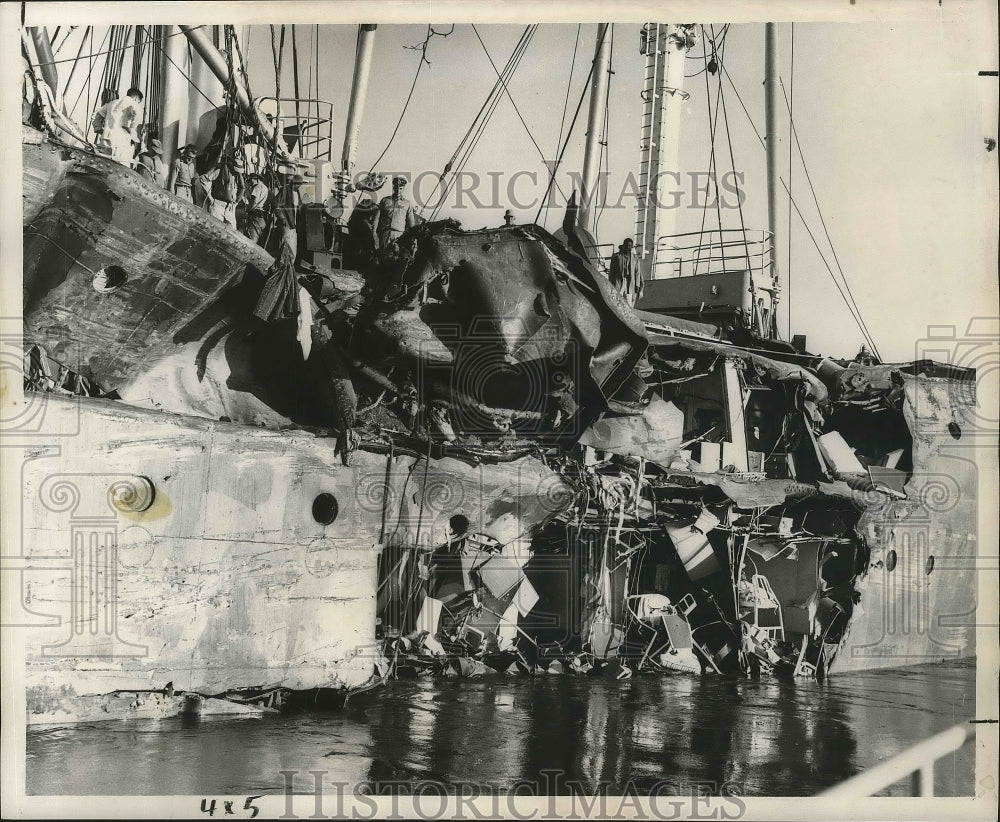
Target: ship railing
916,762
312,120
713,251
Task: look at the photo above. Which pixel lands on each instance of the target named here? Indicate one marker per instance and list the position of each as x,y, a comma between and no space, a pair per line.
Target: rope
788,274
713,126
162,51
739,201
431,32
137,56
79,51
402,114
316,60
295,76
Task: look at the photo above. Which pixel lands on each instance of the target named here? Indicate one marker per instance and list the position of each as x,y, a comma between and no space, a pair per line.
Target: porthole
325,508
110,278
955,430
929,565
890,560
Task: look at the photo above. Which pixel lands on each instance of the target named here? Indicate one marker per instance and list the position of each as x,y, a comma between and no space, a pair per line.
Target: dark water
770,738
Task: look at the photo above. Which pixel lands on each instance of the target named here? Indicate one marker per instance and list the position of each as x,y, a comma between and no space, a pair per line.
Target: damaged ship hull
195,551
117,272
160,550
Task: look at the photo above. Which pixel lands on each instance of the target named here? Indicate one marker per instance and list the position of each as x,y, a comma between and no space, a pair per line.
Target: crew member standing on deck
182,174
150,163
226,189
395,215
121,127
359,250
255,219
624,274
97,122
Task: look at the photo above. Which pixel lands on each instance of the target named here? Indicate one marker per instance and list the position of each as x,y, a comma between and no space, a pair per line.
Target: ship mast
359,91
595,121
773,144
665,47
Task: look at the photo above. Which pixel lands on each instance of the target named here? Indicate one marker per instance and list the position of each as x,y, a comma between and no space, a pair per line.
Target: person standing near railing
624,273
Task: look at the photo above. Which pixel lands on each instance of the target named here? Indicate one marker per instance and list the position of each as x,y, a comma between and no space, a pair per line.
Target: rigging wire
121,48
489,107
79,51
569,133
90,72
739,200
826,231
316,62
713,124
509,97
569,85
183,73
295,76
431,32
719,103
854,314
137,56
470,140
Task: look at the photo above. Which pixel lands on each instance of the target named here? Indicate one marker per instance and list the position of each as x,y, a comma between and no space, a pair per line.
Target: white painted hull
227,580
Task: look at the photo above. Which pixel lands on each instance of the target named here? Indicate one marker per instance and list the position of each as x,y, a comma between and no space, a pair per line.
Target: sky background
891,118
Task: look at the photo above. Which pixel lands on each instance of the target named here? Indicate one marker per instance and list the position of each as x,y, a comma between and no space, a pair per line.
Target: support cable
852,309
431,32
503,84
576,114
475,132
826,231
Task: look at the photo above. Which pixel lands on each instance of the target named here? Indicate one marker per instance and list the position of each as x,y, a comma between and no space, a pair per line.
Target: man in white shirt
121,127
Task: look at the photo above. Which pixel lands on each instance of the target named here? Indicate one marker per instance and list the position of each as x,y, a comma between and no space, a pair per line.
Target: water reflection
562,733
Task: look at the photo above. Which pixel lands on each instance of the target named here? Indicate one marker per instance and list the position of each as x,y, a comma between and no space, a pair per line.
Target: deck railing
916,762
313,124
712,251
